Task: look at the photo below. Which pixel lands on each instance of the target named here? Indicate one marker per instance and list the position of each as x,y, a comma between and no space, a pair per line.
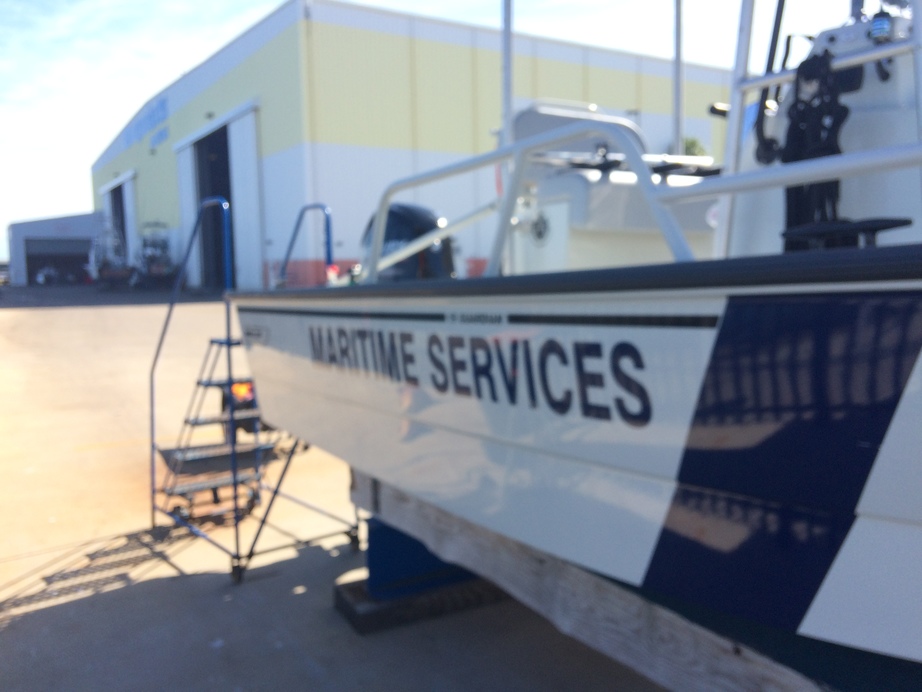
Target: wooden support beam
654,641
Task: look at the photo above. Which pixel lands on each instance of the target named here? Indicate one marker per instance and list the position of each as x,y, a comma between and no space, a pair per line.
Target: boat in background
702,384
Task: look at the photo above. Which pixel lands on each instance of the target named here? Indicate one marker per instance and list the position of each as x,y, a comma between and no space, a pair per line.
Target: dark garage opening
117,206
57,260
213,169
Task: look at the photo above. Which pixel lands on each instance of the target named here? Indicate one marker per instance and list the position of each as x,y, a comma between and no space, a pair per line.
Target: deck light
881,28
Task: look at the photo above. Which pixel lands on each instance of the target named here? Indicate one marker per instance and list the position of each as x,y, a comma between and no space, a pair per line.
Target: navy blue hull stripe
349,314
797,398
894,263
682,321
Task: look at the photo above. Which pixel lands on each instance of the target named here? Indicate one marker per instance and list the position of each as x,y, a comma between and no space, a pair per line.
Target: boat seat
819,235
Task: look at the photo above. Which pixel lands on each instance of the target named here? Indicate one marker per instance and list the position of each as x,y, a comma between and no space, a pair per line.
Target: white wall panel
598,57
132,237
351,180
188,211
286,191
353,192
559,51
246,201
442,32
356,17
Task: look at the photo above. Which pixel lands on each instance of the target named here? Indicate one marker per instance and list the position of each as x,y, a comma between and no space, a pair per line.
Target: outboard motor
405,223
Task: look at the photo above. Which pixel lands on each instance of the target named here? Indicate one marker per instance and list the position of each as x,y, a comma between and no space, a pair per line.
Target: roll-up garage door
67,257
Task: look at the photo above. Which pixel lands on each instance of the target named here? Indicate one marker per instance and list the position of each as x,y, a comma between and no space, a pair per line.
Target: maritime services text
518,371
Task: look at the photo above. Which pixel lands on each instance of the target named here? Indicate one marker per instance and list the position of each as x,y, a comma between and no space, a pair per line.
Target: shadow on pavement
80,573
119,614
85,296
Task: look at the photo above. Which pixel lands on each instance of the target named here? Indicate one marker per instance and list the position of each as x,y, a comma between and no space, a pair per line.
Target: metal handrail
656,196
839,62
174,297
327,234
594,125
796,173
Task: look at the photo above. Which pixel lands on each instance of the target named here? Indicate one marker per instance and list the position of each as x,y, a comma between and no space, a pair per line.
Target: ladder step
215,457
239,415
226,342
212,483
226,383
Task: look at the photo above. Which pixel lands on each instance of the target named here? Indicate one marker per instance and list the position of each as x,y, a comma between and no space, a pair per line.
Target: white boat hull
749,446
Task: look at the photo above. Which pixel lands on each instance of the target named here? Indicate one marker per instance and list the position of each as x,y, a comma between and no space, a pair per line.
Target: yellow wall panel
157,194
699,97
560,80
524,75
162,207
360,85
698,100
488,110
613,89
655,94
718,138
445,102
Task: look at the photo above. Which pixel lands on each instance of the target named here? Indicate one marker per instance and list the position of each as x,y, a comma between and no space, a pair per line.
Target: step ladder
208,470
196,473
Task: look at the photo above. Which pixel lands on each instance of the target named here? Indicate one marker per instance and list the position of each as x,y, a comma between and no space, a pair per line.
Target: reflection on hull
824,374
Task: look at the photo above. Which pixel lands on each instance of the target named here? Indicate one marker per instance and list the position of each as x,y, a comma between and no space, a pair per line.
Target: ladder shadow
108,615
92,568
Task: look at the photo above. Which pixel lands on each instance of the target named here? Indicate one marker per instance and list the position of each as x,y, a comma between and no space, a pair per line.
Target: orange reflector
242,391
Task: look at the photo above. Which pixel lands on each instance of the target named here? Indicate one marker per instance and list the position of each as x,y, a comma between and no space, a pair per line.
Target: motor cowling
405,223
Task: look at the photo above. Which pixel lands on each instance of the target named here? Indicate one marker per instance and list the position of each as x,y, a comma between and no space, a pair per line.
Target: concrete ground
91,599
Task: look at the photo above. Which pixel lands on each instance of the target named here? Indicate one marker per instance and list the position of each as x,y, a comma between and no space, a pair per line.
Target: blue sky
74,72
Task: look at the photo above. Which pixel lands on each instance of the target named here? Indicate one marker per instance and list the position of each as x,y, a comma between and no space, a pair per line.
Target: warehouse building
326,102
53,250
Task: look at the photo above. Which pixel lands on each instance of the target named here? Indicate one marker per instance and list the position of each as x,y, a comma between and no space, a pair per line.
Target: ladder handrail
327,235
174,297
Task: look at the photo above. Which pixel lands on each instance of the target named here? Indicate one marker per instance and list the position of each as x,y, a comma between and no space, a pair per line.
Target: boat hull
737,435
